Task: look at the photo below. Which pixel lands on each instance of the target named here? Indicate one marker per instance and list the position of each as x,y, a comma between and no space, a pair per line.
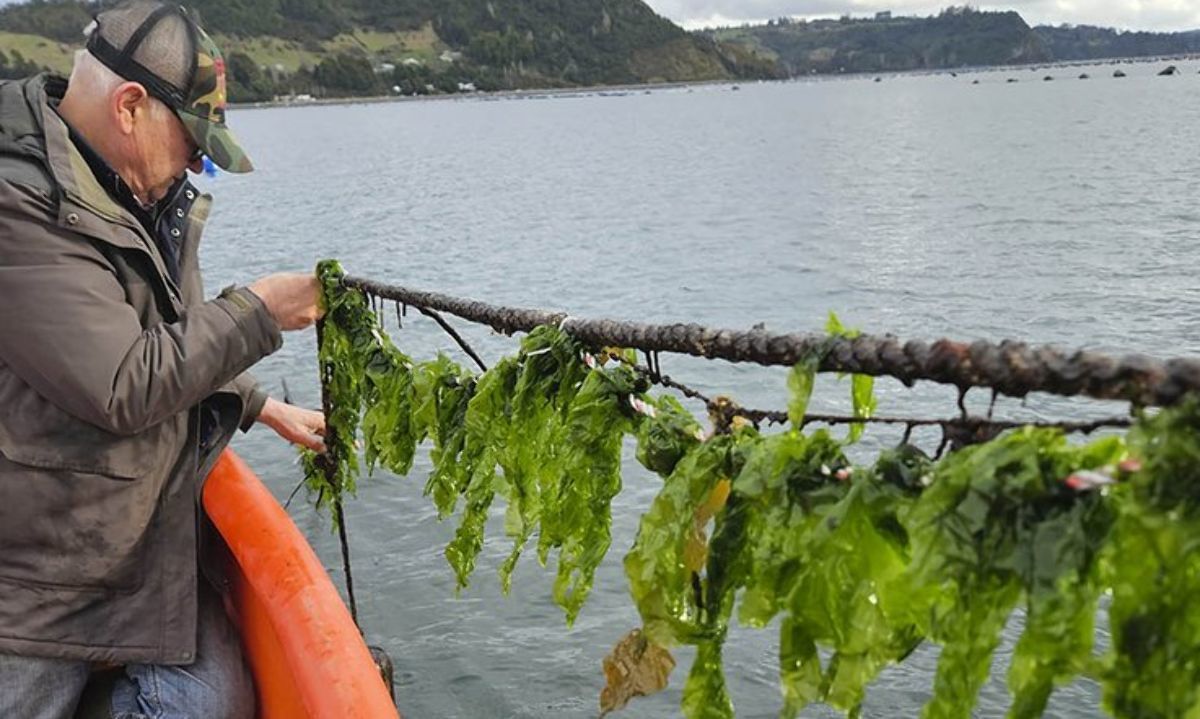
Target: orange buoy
308,658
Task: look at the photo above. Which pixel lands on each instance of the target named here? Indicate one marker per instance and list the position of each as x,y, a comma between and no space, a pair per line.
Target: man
119,384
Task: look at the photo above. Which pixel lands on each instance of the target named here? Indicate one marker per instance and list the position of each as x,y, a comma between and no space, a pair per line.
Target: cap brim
218,142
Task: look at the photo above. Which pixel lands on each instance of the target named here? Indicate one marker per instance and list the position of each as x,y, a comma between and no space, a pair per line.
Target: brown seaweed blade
637,667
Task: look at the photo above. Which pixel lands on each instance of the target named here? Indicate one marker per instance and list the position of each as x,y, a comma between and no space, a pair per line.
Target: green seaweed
859,564
1153,568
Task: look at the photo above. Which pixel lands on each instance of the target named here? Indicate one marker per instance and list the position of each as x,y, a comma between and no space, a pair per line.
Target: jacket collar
112,182
75,180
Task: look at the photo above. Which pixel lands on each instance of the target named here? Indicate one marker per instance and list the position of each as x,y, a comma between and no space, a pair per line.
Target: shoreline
525,94
647,87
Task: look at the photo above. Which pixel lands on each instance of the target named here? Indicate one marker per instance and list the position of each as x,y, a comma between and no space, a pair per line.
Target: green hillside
21,54
363,47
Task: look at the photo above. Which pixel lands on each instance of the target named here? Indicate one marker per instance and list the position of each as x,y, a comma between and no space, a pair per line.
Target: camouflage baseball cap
164,49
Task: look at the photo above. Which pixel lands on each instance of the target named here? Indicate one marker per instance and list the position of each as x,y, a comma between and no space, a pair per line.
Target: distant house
883,15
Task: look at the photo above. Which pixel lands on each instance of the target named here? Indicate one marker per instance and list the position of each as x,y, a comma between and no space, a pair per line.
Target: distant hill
955,38
1085,42
360,47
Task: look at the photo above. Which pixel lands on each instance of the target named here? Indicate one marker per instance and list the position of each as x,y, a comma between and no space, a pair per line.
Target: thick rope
344,540
1011,368
964,423
329,463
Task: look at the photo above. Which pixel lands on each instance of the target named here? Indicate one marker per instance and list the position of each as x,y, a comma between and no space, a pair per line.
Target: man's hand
295,424
293,299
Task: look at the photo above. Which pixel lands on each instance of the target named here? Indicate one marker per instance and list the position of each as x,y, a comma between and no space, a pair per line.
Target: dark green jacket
106,368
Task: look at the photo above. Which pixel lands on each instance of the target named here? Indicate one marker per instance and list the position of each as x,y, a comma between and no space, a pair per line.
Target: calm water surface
1057,211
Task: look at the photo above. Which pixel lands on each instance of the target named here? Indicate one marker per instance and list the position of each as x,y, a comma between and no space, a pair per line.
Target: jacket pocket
37,433
79,530
77,503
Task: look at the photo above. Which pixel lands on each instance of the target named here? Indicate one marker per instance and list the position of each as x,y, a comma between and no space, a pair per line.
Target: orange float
307,656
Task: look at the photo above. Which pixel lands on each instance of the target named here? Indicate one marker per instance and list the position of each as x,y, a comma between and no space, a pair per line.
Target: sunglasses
196,156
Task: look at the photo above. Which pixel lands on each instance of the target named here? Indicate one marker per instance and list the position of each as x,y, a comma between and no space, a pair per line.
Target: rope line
964,422
329,463
1011,368
462,343
340,515
964,429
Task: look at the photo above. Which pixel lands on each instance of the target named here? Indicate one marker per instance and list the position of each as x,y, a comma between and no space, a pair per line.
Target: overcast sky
1125,14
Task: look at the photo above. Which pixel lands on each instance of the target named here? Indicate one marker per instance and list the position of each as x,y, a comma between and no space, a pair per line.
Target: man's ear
130,104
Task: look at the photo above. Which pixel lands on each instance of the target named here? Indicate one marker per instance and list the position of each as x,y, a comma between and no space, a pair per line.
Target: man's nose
197,166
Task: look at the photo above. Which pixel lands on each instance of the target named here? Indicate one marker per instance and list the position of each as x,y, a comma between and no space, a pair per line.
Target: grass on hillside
40,50
290,55
423,44
270,52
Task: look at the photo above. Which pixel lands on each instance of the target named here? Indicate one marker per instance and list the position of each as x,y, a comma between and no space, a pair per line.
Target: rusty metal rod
1009,367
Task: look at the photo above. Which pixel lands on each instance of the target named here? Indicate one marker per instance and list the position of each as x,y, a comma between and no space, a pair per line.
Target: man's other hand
295,424
293,299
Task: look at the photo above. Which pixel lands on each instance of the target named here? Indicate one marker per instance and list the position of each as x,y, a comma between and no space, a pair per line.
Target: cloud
1159,15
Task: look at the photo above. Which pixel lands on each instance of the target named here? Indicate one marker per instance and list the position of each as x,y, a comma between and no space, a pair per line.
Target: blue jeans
216,686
